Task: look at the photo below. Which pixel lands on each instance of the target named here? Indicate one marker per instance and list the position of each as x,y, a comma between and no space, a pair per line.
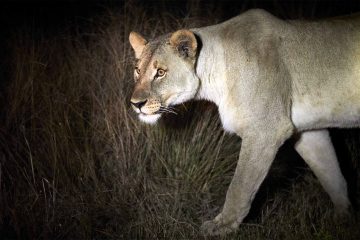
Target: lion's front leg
257,153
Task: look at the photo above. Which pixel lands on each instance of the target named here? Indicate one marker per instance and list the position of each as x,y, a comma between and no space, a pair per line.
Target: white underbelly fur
305,116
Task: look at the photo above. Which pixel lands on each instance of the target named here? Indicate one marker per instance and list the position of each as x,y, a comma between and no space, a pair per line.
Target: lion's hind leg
316,149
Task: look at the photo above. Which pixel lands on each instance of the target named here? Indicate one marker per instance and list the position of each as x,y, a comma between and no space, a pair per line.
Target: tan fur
137,42
184,38
269,78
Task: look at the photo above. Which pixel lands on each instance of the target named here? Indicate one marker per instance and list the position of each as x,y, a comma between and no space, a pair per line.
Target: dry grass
76,164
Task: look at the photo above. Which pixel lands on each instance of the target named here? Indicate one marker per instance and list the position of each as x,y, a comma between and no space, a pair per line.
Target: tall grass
77,164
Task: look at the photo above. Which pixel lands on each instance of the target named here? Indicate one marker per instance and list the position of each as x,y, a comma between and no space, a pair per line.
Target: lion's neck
210,69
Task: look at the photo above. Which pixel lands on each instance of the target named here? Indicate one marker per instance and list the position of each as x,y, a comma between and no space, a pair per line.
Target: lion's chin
149,119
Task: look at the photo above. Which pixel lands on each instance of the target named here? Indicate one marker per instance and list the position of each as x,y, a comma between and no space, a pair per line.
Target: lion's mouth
149,118
150,113
152,118
161,110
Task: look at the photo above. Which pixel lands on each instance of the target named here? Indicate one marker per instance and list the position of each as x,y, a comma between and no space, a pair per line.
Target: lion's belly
327,100
309,116
228,119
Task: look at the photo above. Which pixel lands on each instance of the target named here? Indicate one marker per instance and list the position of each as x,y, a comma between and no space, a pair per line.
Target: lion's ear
184,41
137,42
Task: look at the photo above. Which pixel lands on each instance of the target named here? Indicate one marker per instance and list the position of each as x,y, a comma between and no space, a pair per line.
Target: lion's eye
160,72
137,70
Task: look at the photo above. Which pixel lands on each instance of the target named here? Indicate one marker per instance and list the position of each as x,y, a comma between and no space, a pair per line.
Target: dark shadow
187,113
289,166
346,143
286,168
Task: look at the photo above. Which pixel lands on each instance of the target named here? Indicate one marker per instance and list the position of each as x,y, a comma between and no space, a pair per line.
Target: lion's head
164,73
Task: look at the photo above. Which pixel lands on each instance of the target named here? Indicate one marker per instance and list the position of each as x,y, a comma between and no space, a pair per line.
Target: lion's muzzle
138,104
148,110
147,106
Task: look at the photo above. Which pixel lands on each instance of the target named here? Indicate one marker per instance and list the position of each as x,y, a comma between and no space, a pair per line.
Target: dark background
56,14
48,19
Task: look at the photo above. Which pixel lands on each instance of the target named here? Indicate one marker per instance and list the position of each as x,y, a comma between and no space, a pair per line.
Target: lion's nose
138,104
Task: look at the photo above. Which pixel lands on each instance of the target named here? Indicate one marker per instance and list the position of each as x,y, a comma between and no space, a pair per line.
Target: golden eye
137,70
160,72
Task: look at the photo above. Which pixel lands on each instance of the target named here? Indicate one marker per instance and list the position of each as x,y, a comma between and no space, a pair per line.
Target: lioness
270,79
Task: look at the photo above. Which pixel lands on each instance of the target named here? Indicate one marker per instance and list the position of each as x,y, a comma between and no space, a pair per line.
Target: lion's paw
214,228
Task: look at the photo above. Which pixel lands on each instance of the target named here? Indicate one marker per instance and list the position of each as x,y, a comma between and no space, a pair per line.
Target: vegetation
75,163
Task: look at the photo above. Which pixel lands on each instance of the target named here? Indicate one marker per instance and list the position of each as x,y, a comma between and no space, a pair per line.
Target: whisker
184,106
163,111
167,110
171,108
